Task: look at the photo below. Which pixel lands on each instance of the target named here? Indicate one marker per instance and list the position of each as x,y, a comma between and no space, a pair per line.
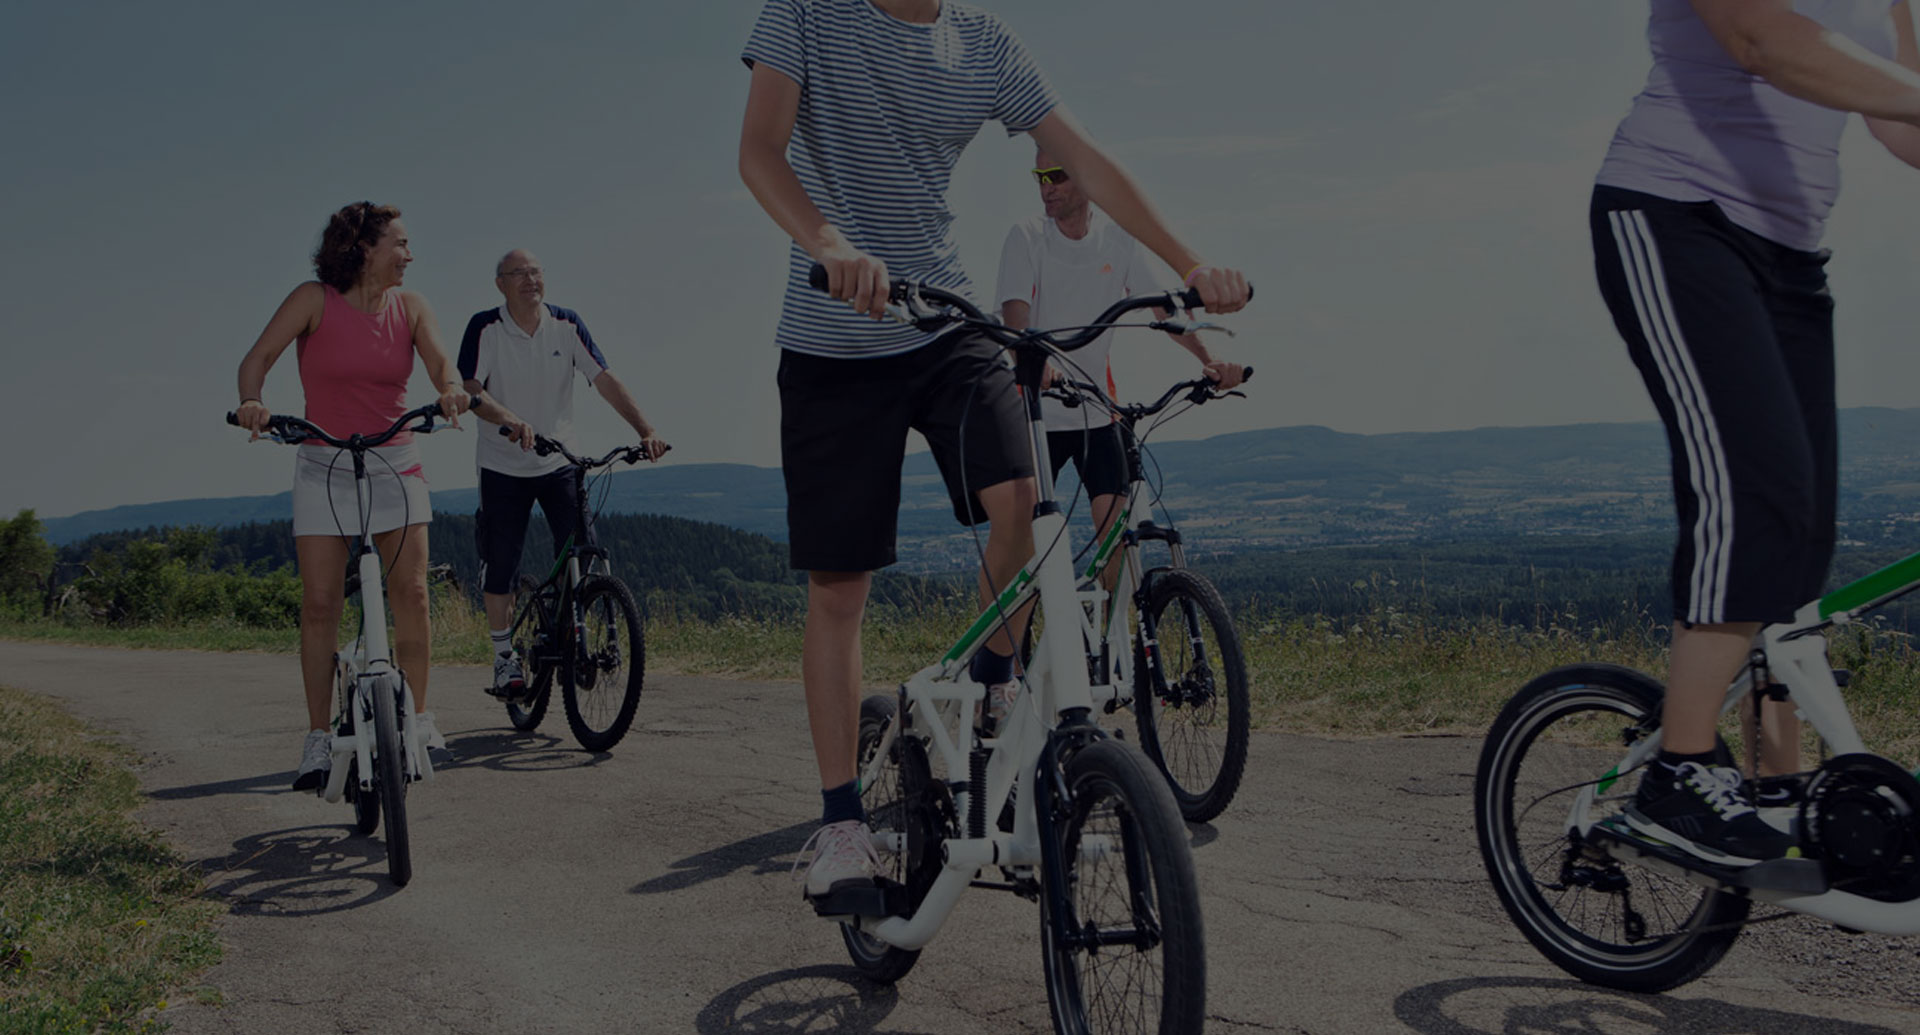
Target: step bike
1163,633
377,748
1615,908
581,626
1070,818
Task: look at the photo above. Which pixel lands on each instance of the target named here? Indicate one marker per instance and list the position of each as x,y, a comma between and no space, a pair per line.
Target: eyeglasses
524,272
1052,174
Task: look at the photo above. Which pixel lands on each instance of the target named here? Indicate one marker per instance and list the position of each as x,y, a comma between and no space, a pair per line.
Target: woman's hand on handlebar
655,446
454,401
1222,290
253,416
856,277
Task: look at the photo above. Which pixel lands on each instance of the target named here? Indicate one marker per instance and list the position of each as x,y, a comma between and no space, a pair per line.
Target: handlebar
294,430
915,296
544,446
1197,391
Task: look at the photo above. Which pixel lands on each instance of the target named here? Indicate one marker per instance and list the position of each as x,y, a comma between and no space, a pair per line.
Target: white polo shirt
1068,283
532,375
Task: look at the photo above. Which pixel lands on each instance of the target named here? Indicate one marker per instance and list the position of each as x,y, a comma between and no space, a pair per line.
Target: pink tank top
354,367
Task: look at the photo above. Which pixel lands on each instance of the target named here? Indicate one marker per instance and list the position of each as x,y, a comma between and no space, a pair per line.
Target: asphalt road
647,890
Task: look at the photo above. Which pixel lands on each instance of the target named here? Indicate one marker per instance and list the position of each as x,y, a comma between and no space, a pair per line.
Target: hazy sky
1405,183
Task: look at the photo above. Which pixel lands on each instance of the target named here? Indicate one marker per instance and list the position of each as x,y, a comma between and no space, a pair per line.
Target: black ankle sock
990,668
841,803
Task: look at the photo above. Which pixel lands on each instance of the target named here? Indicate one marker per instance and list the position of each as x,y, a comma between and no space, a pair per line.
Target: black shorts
1733,335
1098,457
843,437
506,504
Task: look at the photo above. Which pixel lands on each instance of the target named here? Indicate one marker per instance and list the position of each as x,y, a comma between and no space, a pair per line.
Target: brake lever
1189,327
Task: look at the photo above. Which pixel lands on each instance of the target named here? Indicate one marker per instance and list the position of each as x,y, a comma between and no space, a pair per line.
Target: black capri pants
1733,335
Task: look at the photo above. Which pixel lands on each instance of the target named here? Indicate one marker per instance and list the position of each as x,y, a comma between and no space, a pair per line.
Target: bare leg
830,670
1009,507
404,552
1704,660
323,584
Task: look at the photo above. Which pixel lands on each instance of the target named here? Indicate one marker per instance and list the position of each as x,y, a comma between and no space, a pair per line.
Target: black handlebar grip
817,276
504,430
233,418
1246,374
1190,298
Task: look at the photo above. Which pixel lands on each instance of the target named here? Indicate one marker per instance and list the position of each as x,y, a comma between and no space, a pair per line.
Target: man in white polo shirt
1062,269
519,361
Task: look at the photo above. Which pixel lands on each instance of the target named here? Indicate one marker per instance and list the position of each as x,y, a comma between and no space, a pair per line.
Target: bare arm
773,105
1222,290
1902,139
426,341
298,316
1796,55
484,406
614,391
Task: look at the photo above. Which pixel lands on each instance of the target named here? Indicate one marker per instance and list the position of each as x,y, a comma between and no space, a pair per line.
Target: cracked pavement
647,890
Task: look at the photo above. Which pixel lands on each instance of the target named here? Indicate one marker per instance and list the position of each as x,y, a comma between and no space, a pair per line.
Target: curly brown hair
344,243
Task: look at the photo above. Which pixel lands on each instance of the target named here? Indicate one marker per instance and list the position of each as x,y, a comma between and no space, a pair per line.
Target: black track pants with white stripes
1733,335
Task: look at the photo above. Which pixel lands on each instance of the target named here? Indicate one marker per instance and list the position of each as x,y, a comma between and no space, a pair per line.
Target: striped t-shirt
886,107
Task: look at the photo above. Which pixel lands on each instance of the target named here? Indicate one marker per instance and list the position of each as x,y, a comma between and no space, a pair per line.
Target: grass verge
98,917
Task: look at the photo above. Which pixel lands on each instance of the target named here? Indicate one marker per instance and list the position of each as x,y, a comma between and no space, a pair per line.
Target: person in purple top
1707,217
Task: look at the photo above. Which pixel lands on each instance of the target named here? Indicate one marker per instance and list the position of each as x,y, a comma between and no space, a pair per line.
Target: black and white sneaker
1706,813
509,679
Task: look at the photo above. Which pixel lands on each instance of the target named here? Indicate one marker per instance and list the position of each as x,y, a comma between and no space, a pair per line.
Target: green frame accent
1009,600
1109,544
1889,581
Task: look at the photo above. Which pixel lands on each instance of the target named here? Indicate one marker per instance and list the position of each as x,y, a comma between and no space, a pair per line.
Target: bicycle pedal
1797,874
852,900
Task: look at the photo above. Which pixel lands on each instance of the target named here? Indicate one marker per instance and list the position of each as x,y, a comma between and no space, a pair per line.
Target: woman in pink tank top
358,333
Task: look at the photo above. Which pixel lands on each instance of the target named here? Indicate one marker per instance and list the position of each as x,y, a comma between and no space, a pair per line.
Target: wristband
1187,281
243,402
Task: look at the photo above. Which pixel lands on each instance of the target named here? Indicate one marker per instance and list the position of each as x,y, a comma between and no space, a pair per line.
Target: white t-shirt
1070,282
532,375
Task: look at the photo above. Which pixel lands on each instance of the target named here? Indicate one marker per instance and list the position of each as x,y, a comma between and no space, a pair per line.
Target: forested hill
702,569
1279,487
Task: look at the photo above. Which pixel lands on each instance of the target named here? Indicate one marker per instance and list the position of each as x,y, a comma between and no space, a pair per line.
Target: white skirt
324,499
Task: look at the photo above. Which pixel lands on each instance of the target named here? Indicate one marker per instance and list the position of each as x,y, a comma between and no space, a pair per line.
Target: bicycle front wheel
909,815
1190,695
608,665
390,777
1550,757
1124,950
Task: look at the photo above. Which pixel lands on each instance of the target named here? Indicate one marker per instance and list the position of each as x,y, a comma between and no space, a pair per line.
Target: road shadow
266,783
757,854
514,751
1499,1006
300,871
813,999
1201,835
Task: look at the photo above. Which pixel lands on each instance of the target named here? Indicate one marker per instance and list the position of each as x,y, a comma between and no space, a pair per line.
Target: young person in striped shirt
1707,216
856,113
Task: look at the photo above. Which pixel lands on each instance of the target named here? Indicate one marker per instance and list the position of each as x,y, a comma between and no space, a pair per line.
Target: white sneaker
430,737
509,678
842,854
316,761
1000,698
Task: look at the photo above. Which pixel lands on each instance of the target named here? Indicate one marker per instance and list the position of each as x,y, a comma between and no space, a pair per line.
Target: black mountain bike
579,625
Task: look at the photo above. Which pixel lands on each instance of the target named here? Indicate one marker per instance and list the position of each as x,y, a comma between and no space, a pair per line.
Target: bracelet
1187,281
243,402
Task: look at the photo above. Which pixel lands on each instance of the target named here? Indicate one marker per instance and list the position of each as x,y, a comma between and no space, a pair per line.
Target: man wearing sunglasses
519,362
1061,269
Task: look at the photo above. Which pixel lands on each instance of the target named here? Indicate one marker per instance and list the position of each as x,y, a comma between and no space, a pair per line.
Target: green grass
98,917
1382,675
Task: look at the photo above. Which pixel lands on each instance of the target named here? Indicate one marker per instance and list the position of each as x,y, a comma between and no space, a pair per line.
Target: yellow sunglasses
1052,174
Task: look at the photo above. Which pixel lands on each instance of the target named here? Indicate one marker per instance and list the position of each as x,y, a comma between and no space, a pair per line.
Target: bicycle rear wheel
534,641
608,665
390,777
1125,950
910,814
1190,698
1616,925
